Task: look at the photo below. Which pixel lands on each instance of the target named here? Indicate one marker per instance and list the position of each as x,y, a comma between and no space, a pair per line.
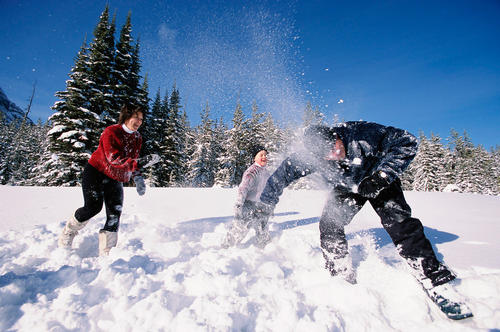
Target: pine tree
146,129
219,150
4,148
137,92
155,141
163,171
406,178
75,129
221,178
126,73
312,116
485,179
257,135
177,174
234,160
101,64
39,172
144,100
224,162
274,140
21,146
122,87
496,168
201,166
463,161
477,182
7,134
186,142
23,153
429,166
172,144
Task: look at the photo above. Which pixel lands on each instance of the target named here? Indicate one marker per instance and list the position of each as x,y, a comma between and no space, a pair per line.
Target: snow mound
169,273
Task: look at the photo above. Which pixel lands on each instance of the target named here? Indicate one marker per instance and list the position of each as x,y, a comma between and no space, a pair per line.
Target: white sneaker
69,232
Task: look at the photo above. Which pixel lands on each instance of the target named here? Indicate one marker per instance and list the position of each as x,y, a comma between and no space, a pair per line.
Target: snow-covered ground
169,273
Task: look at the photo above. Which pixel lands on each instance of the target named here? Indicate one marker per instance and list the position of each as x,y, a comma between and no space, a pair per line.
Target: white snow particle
356,161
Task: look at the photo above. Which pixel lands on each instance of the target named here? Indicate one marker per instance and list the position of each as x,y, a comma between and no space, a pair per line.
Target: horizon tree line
214,154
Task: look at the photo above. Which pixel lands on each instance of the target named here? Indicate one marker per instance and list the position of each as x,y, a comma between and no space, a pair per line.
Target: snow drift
169,272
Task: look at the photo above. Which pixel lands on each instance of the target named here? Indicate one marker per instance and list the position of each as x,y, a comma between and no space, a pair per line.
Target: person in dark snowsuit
246,214
115,161
360,161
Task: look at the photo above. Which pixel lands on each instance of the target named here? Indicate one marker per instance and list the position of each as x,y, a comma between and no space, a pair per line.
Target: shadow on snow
32,285
380,236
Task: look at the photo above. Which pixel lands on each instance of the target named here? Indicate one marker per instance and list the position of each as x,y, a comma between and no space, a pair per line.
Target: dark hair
128,111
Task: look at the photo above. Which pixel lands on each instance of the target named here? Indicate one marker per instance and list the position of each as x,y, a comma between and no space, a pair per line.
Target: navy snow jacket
370,148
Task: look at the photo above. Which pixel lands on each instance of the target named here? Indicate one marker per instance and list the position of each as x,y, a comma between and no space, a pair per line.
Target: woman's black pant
98,189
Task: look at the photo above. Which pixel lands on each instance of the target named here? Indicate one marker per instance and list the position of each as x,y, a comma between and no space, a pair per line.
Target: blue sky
420,65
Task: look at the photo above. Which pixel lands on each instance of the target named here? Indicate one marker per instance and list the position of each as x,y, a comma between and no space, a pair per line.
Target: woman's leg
113,199
93,198
92,188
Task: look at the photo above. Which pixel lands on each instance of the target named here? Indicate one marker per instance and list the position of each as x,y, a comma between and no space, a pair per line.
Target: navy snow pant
98,188
407,233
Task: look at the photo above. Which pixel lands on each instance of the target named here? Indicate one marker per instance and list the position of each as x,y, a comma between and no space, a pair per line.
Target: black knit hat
256,149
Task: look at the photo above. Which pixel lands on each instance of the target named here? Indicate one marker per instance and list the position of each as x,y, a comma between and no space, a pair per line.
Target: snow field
168,272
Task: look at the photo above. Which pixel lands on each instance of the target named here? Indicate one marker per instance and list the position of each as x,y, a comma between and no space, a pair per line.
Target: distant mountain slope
9,110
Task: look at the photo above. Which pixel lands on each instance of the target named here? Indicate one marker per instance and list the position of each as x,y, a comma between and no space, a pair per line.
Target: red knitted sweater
117,153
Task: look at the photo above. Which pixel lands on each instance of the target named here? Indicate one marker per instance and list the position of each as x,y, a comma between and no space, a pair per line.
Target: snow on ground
169,273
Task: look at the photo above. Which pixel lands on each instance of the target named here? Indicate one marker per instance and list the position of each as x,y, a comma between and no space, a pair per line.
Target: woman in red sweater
114,162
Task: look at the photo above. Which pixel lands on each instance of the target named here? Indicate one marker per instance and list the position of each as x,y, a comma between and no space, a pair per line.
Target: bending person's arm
290,170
